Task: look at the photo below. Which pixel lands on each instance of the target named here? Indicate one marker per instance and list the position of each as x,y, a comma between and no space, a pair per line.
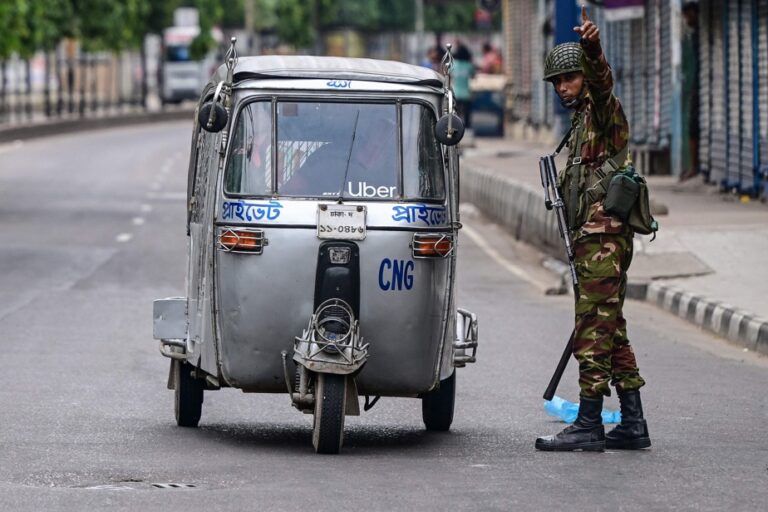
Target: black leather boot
632,432
586,433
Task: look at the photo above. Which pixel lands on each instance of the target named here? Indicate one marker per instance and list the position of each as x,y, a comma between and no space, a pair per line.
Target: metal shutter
733,95
705,86
747,90
762,64
666,74
718,104
639,79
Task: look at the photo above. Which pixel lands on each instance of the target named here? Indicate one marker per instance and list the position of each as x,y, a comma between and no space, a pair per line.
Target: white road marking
146,208
138,221
123,237
501,260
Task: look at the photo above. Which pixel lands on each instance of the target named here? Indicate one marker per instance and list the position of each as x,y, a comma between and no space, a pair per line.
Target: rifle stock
553,200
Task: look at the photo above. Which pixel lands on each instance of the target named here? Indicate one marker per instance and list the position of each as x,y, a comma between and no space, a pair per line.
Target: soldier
602,246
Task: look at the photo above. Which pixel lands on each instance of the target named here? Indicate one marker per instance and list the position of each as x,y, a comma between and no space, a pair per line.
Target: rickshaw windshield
327,149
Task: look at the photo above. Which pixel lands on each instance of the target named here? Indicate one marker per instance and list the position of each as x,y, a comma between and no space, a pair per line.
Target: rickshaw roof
338,68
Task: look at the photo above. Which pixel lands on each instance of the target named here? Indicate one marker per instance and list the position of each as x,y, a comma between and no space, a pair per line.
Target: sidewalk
708,264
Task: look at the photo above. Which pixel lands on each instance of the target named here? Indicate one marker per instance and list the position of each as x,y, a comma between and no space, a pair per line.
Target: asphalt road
93,230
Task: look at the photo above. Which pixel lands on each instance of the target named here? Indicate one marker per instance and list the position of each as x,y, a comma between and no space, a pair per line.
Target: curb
60,126
520,209
714,316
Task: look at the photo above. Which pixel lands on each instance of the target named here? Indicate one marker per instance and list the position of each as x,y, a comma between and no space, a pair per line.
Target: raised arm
597,74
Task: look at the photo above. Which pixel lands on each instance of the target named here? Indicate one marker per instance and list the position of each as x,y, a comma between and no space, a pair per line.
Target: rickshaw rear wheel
330,403
188,394
437,405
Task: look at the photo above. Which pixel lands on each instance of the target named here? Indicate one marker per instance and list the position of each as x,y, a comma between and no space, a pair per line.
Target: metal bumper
170,326
466,338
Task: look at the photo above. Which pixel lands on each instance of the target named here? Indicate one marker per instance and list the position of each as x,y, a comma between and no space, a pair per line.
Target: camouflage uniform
602,245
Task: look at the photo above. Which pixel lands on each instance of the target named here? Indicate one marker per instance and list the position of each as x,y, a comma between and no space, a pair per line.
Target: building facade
692,76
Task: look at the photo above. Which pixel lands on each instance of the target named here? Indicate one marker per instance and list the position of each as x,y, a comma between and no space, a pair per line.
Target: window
249,169
422,159
337,149
333,149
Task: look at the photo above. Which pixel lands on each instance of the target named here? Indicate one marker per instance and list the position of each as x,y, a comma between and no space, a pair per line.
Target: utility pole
250,27
419,29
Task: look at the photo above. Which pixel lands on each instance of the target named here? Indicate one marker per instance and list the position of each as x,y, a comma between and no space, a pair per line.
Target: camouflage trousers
600,343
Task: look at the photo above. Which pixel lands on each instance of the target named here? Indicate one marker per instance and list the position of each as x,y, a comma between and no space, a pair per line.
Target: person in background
462,73
433,58
491,60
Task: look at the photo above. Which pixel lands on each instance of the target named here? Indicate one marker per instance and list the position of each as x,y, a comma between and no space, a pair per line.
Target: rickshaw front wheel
437,405
330,404
188,394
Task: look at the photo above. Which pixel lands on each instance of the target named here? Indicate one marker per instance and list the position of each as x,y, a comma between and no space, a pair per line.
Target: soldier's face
568,85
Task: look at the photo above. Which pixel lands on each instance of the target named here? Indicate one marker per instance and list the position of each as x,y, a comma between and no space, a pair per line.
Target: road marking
501,260
138,221
123,237
146,208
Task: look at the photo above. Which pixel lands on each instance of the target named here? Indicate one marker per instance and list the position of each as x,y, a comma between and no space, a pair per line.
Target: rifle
553,200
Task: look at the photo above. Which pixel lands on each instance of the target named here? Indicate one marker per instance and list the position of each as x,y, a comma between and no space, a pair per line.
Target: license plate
340,222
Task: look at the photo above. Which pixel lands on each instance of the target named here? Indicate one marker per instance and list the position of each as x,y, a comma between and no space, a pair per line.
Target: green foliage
13,27
455,16
160,14
210,14
295,22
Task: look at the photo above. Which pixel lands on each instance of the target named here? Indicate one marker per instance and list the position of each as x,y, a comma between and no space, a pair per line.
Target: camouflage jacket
605,133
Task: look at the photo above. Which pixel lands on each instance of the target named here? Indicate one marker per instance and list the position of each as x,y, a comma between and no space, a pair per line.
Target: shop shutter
666,74
733,95
762,64
747,165
705,86
638,77
718,102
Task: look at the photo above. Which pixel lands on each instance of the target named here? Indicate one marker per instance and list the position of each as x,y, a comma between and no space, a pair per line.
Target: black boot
586,433
632,432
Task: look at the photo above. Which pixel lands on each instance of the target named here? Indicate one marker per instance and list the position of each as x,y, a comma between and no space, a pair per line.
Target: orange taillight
431,245
242,240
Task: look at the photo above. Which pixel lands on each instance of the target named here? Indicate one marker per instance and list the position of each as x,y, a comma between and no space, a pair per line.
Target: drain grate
173,485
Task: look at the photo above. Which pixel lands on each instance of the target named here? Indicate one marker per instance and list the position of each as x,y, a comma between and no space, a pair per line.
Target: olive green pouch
640,218
621,196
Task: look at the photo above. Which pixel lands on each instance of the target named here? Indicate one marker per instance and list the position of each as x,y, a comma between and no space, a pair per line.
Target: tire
330,403
188,393
437,405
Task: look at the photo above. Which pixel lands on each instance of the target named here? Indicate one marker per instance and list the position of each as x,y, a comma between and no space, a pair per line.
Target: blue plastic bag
567,411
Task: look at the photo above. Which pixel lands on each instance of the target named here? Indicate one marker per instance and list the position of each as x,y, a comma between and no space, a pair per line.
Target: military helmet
564,58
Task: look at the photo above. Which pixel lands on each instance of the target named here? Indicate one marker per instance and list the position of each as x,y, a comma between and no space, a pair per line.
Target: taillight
432,245
244,240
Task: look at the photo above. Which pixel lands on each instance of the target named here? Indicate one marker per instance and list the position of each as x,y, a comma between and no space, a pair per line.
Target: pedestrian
602,246
462,73
491,60
434,58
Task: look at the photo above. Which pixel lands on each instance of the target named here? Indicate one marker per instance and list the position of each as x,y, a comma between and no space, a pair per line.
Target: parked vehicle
323,223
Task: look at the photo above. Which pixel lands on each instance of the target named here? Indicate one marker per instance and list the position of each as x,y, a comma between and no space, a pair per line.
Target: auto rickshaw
323,223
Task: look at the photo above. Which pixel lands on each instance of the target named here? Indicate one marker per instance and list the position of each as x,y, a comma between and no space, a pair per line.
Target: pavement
708,263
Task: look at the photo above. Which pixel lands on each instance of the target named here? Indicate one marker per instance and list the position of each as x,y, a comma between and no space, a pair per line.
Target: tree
13,30
210,14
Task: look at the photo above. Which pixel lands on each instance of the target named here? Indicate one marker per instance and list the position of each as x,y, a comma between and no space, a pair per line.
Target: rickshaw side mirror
449,135
212,123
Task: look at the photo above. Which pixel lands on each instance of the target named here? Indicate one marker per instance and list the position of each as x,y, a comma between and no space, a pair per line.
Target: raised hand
588,31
